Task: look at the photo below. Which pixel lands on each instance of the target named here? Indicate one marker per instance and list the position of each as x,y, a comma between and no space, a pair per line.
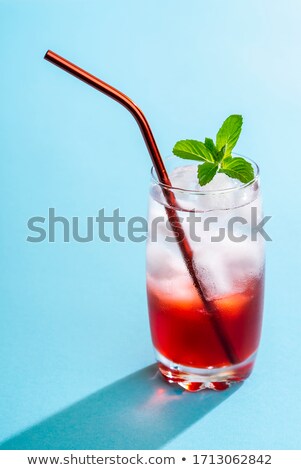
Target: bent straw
163,178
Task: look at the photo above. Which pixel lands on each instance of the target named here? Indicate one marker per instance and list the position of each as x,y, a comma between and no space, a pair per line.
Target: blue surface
74,321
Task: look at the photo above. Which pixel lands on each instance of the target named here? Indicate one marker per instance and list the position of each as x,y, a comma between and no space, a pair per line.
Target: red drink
188,348
183,332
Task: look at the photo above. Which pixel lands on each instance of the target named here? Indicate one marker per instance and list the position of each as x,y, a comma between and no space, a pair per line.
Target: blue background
74,321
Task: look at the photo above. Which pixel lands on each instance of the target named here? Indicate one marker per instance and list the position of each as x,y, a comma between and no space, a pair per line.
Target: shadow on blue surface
140,411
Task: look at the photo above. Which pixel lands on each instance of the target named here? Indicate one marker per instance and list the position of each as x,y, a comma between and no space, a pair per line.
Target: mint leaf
206,172
229,133
192,150
211,147
221,154
238,168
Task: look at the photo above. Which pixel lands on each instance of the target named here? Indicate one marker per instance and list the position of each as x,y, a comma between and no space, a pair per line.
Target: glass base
194,379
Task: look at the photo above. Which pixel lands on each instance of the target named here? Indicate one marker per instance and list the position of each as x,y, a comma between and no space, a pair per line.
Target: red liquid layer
183,332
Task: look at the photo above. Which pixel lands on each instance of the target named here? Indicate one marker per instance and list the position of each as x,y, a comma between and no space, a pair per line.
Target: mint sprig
217,157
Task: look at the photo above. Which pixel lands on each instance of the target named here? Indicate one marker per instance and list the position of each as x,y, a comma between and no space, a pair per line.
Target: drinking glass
192,343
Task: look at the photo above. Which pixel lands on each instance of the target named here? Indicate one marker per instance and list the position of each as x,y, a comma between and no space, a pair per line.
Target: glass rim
209,191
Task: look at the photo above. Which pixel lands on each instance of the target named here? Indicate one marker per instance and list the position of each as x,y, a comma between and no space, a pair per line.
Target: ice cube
162,263
225,267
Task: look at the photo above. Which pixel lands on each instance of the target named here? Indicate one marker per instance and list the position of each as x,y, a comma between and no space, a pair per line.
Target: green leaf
211,147
238,168
221,154
227,159
192,150
229,133
206,172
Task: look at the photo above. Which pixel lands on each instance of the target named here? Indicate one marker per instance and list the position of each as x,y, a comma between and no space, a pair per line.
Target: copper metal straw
163,178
